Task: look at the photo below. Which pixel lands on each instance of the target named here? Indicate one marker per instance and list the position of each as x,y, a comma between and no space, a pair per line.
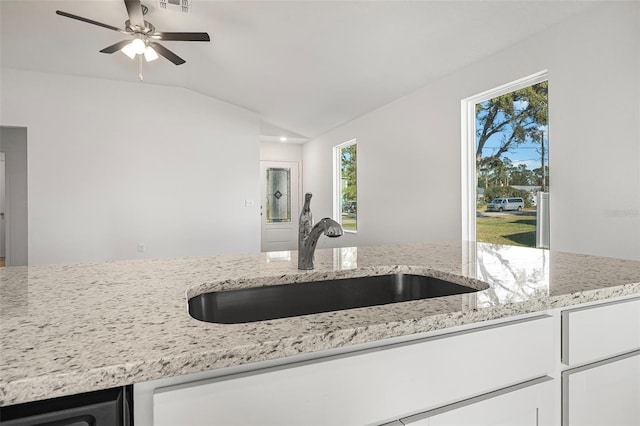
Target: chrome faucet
308,234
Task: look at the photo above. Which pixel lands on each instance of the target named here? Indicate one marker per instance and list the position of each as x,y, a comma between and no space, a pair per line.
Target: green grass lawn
348,222
511,229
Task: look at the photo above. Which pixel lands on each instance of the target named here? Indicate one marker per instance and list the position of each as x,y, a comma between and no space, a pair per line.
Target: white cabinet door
519,406
593,333
604,393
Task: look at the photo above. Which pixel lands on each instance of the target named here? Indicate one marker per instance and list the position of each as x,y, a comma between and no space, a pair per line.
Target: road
500,214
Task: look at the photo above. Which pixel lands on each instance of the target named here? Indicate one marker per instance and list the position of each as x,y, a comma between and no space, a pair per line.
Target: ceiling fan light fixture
143,33
129,51
150,54
138,46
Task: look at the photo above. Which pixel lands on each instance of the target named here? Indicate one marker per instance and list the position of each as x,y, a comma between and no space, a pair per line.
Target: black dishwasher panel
109,407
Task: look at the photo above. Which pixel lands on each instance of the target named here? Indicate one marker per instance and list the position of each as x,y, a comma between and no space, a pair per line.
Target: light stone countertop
67,329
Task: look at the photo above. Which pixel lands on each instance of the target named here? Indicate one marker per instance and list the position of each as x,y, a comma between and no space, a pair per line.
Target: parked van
504,204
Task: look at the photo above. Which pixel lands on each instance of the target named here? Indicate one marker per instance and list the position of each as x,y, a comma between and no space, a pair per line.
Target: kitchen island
67,329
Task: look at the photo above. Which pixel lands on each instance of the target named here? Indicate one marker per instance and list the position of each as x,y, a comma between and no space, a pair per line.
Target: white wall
277,151
409,165
114,164
594,156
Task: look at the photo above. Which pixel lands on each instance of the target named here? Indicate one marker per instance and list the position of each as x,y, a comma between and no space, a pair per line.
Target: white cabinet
601,361
492,375
529,404
604,393
592,333
368,387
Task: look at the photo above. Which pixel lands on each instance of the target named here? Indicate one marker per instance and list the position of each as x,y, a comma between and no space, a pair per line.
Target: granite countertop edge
323,332
50,386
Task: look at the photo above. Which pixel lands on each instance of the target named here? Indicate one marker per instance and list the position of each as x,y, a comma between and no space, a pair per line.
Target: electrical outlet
141,248
248,203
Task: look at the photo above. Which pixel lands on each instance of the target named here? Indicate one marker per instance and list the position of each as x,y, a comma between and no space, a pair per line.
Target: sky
527,153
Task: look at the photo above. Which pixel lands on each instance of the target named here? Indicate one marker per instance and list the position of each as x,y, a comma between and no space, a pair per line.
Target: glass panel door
279,205
278,195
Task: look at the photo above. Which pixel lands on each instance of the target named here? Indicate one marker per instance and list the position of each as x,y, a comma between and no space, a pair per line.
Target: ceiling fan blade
134,9
163,51
90,21
115,47
181,36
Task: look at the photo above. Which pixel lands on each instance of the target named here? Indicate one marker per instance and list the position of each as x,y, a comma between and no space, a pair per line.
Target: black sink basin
289,300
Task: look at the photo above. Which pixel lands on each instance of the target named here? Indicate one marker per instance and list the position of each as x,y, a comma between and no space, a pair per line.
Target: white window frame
337,182
468,139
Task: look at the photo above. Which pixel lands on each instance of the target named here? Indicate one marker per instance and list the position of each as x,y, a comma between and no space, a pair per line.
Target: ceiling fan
144,35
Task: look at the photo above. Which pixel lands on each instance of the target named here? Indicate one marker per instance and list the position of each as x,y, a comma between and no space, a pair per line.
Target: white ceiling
304,66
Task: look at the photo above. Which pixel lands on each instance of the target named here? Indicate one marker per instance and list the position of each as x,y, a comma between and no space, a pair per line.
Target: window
345,185
505,154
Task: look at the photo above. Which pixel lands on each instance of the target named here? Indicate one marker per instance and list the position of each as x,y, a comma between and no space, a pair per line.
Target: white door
279,205
3,238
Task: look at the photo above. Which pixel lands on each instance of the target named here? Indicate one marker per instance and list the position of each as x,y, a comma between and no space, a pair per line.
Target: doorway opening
506,162
3,230
13,208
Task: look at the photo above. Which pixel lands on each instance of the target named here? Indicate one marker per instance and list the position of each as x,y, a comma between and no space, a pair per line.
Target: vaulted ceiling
304,66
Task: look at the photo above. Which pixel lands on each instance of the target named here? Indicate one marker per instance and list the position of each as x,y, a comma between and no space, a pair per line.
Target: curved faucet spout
332,229
326,226
308,234
307,243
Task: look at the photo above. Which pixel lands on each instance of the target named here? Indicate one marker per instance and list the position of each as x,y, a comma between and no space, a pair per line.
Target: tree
498,171
520,175
515,117
538,176
348,157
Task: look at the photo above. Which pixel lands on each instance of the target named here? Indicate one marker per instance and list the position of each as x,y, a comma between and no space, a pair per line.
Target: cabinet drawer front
522,405
604,393
598,332
367,387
